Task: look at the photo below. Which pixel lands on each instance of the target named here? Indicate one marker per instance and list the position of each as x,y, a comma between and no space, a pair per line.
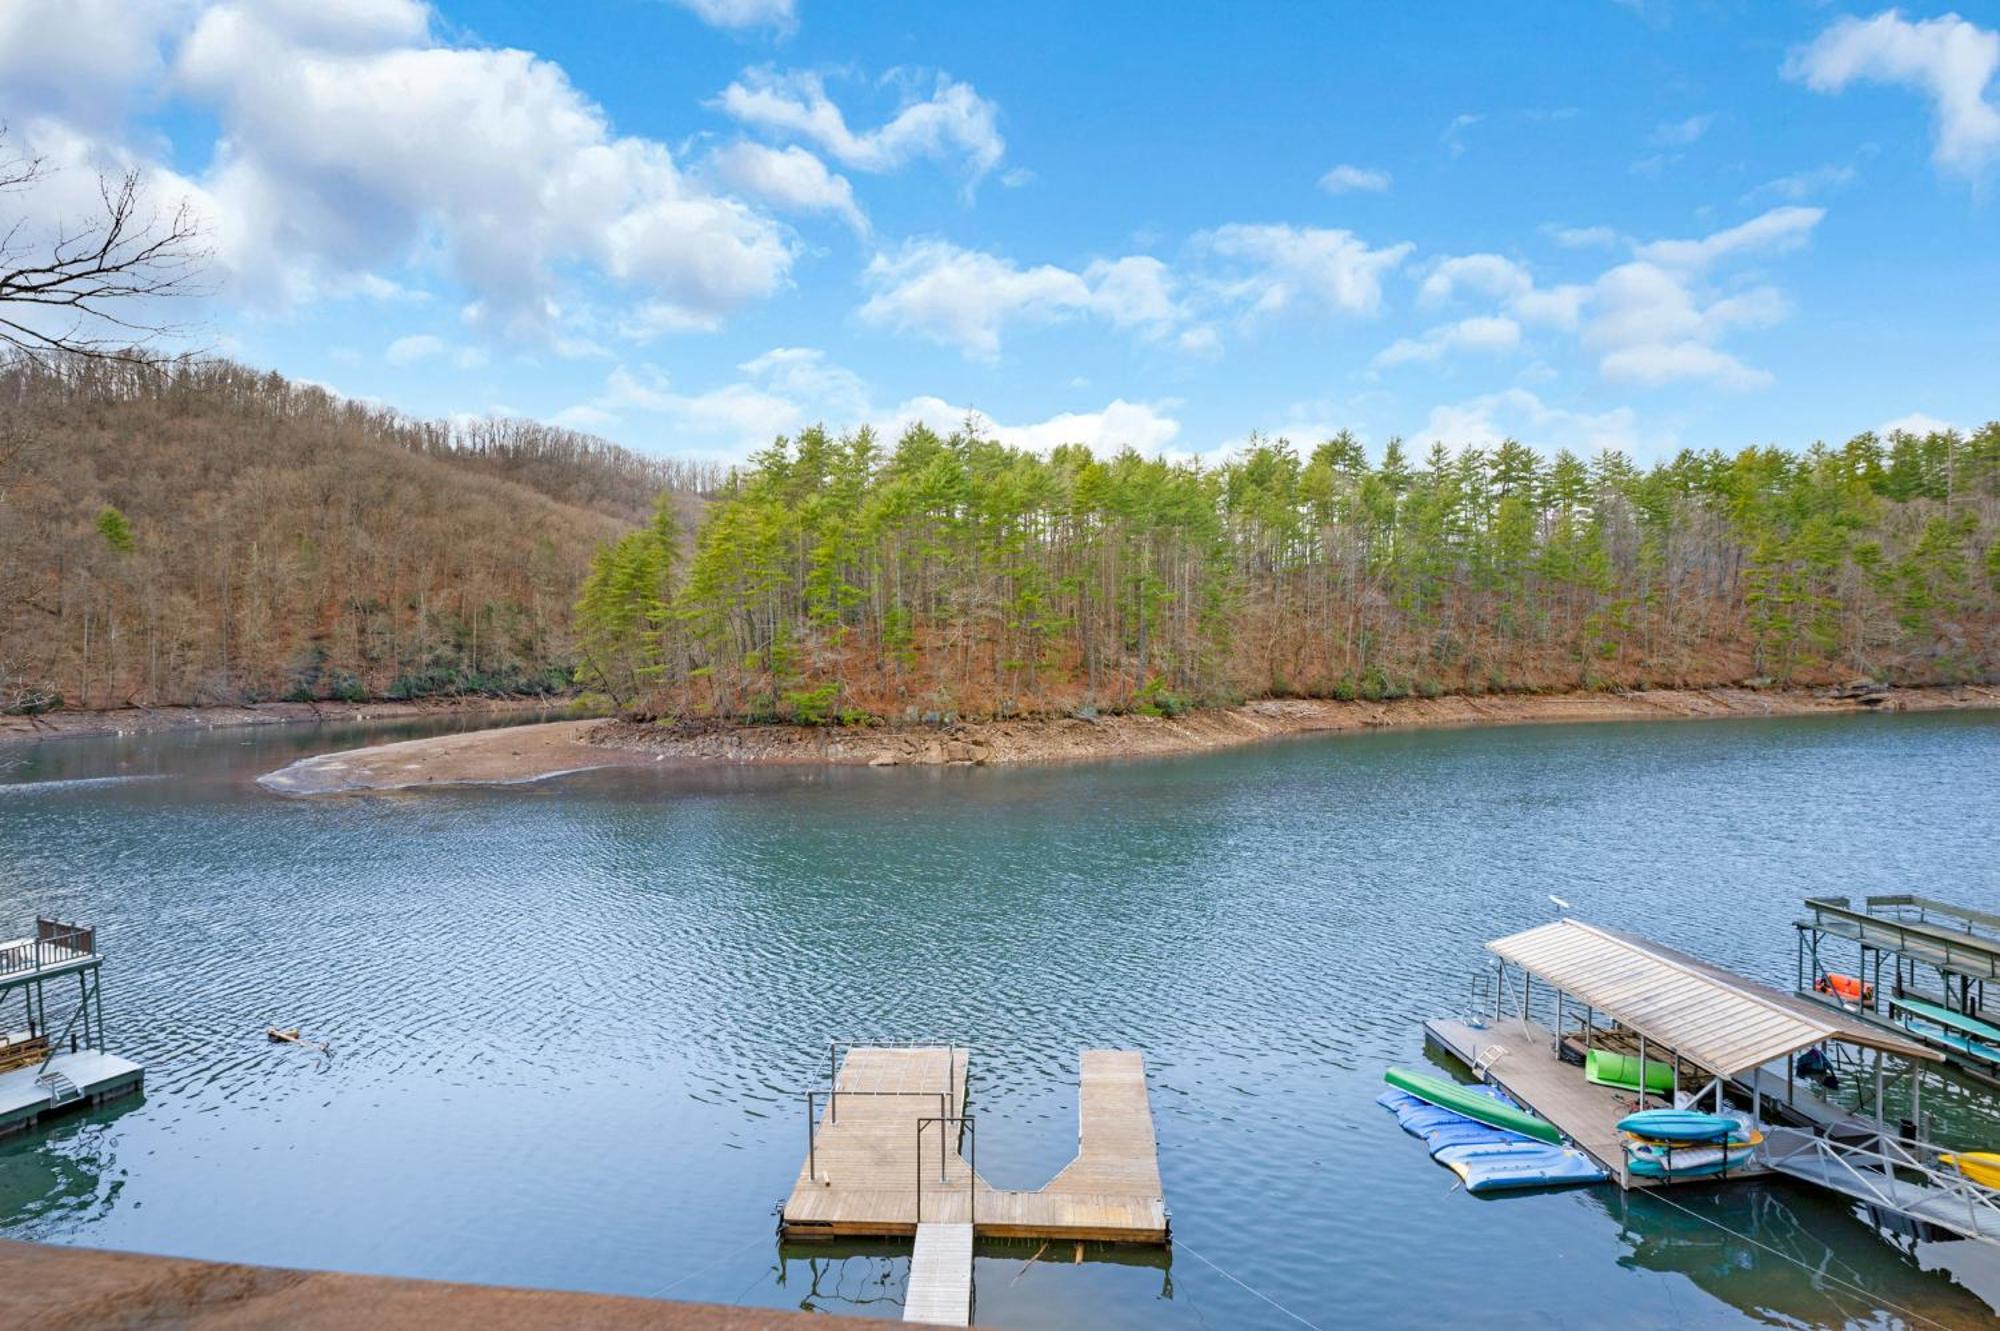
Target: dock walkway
874,1168
940,1292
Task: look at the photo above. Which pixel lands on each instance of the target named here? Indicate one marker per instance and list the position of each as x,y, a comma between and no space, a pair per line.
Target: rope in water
1653,1194
661,1292
1181,1245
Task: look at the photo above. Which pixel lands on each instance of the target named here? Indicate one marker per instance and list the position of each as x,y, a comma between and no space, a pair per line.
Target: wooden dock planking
1531,1072
940,1288
865,1163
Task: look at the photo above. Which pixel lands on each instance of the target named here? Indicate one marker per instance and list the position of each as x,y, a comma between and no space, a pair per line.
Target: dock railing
833,1114
1870,1163
54,943
966,1127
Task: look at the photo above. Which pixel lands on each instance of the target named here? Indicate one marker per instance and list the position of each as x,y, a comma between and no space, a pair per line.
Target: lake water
570,1020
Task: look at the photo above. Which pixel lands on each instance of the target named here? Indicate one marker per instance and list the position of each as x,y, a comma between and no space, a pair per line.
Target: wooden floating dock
885,1156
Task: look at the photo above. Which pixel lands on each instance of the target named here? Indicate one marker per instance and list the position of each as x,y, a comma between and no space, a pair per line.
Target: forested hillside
206,533
834,579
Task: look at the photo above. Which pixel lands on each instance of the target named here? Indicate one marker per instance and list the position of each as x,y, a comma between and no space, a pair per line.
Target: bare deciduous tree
89,290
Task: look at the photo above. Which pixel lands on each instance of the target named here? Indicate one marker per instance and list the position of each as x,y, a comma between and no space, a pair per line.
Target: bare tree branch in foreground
89,280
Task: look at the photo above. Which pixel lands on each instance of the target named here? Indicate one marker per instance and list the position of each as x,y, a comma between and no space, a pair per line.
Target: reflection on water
571,1022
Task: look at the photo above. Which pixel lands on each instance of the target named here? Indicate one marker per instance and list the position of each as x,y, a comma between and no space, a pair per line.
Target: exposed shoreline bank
158,720
536,752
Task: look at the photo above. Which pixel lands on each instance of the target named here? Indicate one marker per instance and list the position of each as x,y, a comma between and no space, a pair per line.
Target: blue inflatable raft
1485,1158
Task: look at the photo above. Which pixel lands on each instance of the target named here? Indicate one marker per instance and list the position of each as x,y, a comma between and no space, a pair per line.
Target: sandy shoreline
536,752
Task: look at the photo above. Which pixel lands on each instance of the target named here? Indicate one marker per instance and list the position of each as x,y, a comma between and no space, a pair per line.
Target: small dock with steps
52,1057
892,1153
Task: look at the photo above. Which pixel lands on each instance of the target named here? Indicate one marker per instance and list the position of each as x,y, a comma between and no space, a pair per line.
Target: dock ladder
60,1088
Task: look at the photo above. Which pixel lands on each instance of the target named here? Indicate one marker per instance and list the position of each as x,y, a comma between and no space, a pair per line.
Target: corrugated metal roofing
1720,1021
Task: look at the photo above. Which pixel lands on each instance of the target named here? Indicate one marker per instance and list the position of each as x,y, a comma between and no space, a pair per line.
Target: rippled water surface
570,1020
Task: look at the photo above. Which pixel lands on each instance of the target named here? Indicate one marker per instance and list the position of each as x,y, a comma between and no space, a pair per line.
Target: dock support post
1642,1070
1917,1098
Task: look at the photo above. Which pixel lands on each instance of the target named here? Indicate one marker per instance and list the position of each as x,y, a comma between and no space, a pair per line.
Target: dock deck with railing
890,1146
54,1058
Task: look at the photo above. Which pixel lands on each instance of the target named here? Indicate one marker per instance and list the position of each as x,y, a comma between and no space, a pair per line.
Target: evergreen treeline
834,579
202,532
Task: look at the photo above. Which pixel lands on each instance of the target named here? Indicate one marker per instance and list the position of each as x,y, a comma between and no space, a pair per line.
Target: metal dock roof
1720,1021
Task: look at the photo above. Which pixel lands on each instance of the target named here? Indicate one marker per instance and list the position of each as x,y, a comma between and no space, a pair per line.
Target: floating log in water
292,1036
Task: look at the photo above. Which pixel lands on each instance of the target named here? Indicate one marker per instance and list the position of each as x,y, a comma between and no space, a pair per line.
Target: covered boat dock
1563,989
1938,957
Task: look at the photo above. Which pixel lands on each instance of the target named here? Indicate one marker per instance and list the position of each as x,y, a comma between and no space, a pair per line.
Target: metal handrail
812,1118
833,1048
971,1164
1886,1155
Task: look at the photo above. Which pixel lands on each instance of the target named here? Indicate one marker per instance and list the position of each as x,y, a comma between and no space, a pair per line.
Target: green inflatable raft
1473,1103
1622,1071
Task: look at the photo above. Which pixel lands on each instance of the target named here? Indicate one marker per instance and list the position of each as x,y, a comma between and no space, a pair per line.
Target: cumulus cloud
1502,279
951,121
82,60
1516,413
354,154
738,14
1480,333
965,298
410,350
1680,133
1653,320
1775,232
1649,326
1917,423
352,144
789,178
1949,60
1346,179
1581,237
1268,269
1144,426
788,388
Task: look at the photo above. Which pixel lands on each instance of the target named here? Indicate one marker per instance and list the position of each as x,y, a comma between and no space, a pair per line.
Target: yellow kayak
1979,1166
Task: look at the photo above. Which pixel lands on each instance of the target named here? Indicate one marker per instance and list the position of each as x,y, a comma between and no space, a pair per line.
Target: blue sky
690,226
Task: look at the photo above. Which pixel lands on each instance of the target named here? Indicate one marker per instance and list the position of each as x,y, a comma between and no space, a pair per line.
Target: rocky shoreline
535,752
154,720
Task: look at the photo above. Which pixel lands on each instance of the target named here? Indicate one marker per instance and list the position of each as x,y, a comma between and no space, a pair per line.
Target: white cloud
1582,237
1453,137
952,121
1502,279
1949,60
1344,179
1144,426
790,178
1516,413
1917,423
788,388
1479,333
1776,232
351,145
737,14
410,350
1649,327
966,297
1680,133
1803,184
1650,321
1273,268
82,60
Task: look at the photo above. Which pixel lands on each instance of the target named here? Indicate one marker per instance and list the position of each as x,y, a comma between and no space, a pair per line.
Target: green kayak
1605,1068
1473,1103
